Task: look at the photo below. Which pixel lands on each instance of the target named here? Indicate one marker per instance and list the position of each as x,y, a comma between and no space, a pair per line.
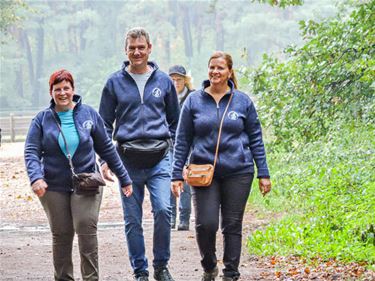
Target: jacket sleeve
184,140
172,109
254,132
33,151
106,150
107,107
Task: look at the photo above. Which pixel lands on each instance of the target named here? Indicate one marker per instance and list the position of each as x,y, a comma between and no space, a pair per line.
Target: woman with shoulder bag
220,126
70,130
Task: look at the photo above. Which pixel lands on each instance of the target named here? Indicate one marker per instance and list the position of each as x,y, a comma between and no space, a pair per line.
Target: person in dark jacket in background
142,102
51,177
241,145
183,85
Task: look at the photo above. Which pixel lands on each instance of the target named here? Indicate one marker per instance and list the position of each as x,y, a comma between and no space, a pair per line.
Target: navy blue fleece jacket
154,117
44,158
241,140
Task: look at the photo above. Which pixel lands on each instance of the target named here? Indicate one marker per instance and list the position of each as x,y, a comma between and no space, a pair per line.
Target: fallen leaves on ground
297,268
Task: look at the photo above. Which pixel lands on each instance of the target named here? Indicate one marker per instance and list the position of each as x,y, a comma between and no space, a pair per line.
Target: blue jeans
158,181
184,206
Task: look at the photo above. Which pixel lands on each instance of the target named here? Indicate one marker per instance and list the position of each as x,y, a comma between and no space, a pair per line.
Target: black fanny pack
145,153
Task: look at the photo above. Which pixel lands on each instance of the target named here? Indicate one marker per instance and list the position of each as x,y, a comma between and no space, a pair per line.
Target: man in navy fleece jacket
142,103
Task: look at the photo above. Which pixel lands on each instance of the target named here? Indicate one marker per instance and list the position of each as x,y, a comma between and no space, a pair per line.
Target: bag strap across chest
65,143
220,130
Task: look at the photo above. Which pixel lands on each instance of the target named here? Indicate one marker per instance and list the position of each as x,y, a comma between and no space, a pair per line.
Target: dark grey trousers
226,196
68,214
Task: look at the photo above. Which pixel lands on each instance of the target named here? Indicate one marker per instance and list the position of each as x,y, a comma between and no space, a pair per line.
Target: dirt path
25,239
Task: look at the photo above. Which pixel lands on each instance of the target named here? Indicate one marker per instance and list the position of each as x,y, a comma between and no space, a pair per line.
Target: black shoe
173,223
183,226
162,274
211,275
141,277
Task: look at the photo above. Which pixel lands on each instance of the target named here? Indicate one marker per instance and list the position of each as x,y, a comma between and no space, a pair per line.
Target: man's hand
185,173
127,190
264,185
107,173
39,187
177,187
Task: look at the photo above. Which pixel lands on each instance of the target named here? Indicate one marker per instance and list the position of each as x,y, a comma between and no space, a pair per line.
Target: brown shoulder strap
221,126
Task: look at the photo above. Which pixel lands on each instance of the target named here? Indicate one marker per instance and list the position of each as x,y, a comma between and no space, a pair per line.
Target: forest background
309,66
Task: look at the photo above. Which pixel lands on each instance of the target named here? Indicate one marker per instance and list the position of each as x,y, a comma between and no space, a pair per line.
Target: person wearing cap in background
184,87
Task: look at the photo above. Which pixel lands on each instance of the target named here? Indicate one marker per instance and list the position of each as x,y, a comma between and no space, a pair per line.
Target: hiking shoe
183,226
162,274
141,277
210,276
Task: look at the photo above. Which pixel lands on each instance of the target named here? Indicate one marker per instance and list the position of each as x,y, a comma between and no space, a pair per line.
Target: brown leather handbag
202,174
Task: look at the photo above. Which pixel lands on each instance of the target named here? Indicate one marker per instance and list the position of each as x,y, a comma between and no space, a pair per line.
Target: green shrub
326,191
327,80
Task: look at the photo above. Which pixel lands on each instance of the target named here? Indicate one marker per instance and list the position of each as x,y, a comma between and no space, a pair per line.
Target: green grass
326,191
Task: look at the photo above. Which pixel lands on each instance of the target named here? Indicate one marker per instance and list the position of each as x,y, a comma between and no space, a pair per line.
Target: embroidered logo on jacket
156,92
88,124
233,115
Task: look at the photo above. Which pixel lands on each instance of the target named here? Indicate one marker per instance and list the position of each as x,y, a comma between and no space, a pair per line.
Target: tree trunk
29,55
198,23
38,64
82,40
19,81
219,32
187,33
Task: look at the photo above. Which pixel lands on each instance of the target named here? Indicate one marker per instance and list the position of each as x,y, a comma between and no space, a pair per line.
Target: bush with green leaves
328,80
319,109
326,191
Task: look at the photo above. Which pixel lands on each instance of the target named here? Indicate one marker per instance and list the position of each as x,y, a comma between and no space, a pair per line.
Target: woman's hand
107,173
127,190
39,187
264,185
177,187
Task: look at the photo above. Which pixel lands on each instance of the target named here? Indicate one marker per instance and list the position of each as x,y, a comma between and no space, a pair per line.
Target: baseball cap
177,69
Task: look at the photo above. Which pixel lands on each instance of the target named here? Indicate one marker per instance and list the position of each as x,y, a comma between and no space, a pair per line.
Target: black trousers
226,196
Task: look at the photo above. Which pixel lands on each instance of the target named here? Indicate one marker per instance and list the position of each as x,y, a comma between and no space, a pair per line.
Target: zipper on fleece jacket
218,128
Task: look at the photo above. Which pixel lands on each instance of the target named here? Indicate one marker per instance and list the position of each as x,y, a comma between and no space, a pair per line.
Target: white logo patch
233,115
88,124
156,92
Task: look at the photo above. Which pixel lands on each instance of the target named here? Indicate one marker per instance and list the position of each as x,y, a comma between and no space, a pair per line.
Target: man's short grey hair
137,32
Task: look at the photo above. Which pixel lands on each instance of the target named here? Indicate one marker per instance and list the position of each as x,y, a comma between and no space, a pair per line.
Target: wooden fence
14,127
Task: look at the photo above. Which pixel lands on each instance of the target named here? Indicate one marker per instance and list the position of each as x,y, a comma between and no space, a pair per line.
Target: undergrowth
326,191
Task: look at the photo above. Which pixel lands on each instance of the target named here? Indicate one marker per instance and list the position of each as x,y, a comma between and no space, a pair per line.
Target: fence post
12,128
